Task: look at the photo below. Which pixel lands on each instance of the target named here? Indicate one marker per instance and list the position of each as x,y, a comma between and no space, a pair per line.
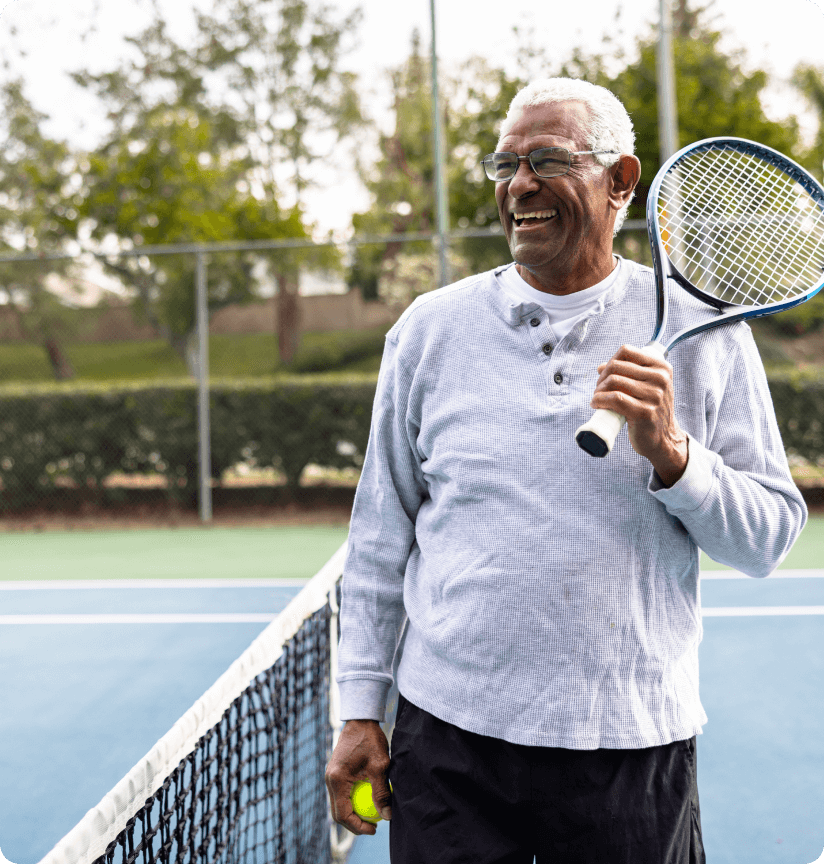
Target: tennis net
240,777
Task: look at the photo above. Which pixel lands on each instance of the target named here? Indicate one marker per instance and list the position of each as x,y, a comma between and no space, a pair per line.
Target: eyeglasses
546,162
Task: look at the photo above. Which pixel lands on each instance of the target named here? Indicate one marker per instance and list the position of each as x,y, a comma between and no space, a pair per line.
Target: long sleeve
381,537
736,498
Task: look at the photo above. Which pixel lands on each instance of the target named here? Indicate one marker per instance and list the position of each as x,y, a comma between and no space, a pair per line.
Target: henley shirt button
534,322
558,378
546,348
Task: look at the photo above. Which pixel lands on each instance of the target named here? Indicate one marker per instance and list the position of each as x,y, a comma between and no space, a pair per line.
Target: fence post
203,425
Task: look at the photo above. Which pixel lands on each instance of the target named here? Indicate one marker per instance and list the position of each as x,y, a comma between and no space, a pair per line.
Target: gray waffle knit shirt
552,598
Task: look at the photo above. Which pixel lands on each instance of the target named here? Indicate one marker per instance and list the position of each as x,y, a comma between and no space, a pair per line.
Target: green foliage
714,94
810,81
72,436
57,436
176,173
799,403
37,175
281,60
402,181
198,135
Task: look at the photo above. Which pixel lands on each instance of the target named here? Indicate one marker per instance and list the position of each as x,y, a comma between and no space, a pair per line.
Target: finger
632,398
619,374
358,826
344,814
622,403
382,797
641,357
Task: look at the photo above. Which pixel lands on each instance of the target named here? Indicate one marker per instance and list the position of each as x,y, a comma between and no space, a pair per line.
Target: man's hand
362,753
639,386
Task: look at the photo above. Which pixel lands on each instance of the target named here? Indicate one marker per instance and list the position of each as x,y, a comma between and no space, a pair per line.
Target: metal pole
441,198
203,426
667,106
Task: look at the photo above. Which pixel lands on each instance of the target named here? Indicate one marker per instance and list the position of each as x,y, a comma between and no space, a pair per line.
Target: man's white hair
609,126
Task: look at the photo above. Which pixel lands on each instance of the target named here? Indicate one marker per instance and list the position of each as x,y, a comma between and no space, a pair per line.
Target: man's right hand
362,753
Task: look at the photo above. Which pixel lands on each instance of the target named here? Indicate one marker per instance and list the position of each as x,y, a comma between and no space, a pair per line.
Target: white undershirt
564,311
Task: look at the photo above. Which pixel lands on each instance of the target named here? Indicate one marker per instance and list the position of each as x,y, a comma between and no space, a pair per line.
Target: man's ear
626,173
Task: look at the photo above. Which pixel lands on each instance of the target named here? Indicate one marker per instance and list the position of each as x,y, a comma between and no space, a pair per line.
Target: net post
441,194
203,420
667,105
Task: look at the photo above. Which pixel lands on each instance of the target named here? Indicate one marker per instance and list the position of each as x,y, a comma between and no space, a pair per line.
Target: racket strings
724,264
741,229
724,186
770,233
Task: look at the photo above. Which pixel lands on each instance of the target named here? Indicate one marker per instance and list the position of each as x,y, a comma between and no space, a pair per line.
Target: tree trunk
62,368
288,318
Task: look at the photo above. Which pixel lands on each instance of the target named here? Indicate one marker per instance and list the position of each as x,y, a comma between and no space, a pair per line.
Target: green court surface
226,553
201,553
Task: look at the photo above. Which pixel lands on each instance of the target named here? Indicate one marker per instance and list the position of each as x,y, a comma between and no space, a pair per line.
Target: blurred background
210,215
283,150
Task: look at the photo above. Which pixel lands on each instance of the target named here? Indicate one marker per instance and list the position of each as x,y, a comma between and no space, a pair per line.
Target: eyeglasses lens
501,166
550,162
546,162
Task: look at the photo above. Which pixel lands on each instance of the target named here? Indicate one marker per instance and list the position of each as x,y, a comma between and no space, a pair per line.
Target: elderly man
549,672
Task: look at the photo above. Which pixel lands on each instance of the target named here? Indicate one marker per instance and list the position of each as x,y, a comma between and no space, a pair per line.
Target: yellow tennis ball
362,802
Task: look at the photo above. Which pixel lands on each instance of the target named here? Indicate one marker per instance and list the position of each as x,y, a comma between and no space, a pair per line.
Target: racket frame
597,436
664,268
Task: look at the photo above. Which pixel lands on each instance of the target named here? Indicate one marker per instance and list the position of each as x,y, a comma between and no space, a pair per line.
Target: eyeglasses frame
528,158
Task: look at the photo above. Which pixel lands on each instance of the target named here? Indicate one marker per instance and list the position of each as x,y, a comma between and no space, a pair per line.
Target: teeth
538,214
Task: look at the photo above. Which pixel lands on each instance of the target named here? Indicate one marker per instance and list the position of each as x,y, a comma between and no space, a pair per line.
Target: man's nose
525,181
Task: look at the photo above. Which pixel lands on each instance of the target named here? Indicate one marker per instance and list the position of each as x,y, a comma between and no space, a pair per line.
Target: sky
42,40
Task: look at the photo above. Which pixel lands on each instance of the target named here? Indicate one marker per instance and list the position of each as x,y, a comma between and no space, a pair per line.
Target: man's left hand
639,386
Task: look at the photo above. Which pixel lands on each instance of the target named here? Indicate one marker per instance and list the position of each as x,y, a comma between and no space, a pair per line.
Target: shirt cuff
691,490
363,699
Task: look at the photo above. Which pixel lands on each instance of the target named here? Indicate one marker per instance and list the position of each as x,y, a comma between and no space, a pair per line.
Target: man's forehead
566,121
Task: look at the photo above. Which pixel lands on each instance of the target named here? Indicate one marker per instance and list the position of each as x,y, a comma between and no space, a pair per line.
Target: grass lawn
251,355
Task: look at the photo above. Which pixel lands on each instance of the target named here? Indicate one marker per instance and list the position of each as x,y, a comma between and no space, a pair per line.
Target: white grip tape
605,424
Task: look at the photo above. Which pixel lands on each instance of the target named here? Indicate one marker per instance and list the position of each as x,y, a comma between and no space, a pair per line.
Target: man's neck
571,282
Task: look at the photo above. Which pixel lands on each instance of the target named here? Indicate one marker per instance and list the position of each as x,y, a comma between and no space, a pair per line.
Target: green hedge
53,435
799,406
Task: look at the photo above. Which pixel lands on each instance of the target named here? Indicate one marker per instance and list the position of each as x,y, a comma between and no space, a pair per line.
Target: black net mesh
253,790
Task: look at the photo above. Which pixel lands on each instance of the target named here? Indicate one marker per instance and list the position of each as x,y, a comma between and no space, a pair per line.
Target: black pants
462,798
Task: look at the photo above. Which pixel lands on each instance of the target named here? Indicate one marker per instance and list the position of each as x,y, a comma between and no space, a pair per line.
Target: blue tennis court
94,671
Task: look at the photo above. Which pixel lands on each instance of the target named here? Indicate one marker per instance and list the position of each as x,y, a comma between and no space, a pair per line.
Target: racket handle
598,434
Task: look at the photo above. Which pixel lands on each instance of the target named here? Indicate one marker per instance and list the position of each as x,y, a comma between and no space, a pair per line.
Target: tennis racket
739,226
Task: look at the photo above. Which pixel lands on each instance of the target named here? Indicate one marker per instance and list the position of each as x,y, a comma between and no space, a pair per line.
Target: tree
37,179
715,95
810,81
281,63
194,154
169,180
402,181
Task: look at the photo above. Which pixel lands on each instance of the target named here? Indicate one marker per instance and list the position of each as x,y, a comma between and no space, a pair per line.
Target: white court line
146,618
747,611
109,584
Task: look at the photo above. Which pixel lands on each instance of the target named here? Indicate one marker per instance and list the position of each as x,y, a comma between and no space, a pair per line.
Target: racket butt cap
592,443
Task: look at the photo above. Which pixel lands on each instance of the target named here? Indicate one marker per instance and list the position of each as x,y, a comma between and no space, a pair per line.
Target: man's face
566,244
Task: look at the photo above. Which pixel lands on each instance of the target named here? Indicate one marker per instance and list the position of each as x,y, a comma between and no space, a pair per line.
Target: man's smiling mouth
534,217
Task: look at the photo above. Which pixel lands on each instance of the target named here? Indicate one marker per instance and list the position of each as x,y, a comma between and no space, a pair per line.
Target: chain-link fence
178,373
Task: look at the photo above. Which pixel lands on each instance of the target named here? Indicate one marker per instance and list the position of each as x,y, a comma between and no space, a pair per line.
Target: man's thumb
382,797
